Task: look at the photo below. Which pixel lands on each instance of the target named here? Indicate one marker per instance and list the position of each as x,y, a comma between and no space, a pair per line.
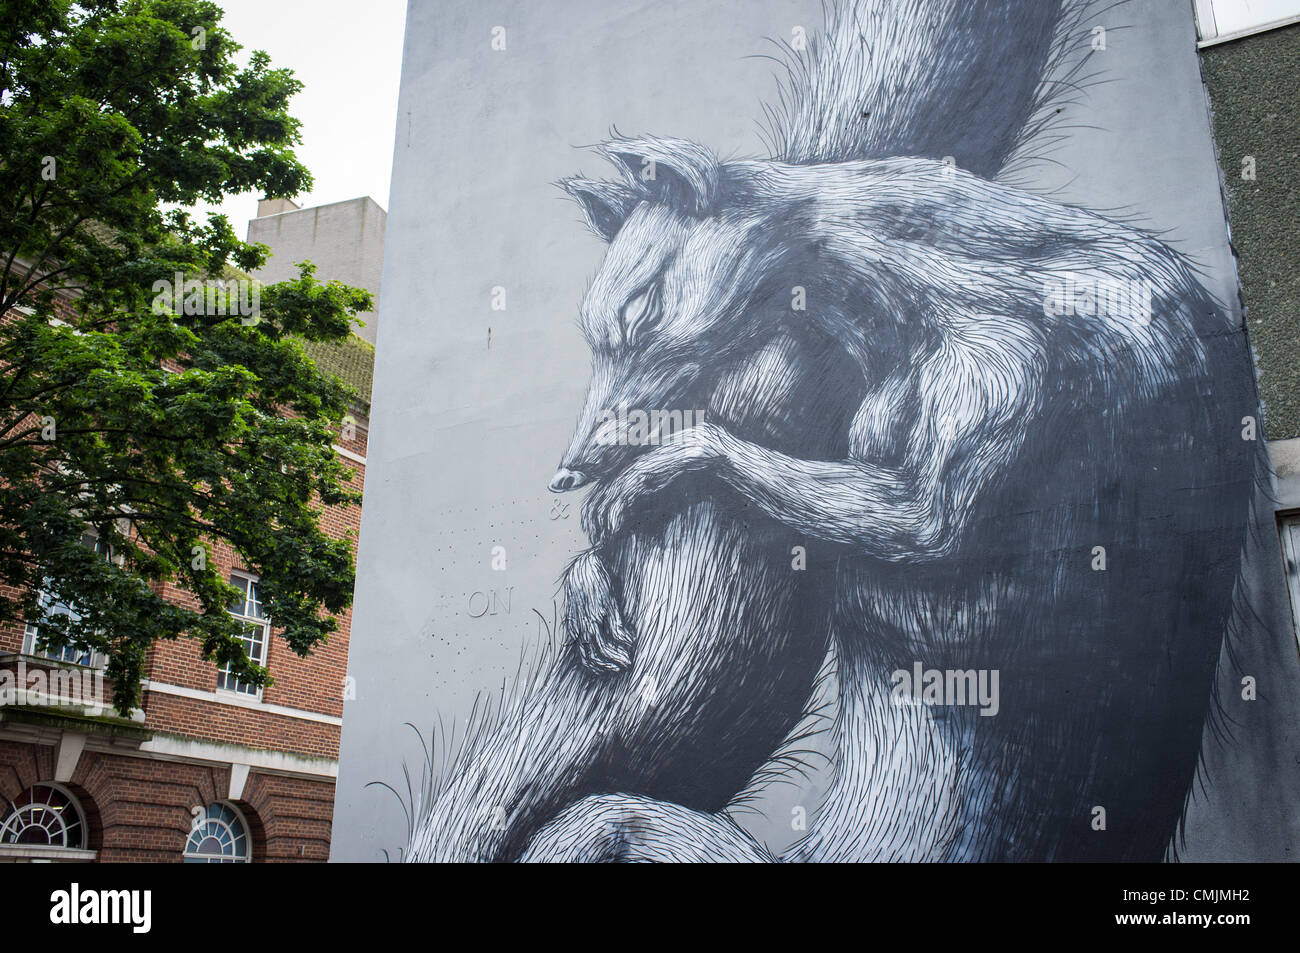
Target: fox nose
566,479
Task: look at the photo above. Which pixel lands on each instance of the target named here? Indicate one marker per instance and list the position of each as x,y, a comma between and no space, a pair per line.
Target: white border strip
169,747
1207,25
42,852
1206,28
355,457
1240,34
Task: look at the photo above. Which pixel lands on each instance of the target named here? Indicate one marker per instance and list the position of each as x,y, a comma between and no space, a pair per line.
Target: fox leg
885,512
874,509
592,619
622,828
967,406
727,652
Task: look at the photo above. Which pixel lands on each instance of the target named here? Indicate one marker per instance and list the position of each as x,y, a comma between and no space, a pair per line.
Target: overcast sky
348,55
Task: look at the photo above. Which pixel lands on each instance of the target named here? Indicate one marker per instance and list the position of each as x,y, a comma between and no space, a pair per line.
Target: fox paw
592,620
606,508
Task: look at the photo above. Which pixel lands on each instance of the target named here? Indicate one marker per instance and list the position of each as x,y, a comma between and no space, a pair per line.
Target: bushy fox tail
966,79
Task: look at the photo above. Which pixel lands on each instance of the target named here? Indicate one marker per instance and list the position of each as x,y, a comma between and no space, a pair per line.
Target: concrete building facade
344,240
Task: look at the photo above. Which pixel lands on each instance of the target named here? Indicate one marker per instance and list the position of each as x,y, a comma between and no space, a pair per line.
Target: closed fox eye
640,312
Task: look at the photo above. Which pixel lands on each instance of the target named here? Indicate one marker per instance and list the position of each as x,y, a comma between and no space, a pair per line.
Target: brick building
206,769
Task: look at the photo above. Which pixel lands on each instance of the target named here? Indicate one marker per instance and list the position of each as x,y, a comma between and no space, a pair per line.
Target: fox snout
615,427
595,453
586,462
566,479
592,452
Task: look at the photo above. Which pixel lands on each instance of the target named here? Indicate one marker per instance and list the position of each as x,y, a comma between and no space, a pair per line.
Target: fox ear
676,172
606,205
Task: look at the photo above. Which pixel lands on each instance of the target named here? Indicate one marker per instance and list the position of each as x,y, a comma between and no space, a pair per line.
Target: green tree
163,425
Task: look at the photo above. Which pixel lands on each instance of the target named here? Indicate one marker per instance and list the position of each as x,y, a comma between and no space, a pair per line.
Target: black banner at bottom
131,904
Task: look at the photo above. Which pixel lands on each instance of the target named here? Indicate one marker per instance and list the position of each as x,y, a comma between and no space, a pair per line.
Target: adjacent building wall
138,779
344,240
1254,86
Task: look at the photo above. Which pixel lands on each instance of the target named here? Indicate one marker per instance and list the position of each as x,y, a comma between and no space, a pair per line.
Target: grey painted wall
472,406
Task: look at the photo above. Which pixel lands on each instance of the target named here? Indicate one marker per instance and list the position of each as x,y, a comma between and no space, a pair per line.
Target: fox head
680,291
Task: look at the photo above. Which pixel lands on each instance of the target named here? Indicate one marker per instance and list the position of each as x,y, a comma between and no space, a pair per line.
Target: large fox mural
955,434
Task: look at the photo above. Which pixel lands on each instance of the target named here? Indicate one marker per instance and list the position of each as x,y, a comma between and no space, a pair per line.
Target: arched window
45,815
219,836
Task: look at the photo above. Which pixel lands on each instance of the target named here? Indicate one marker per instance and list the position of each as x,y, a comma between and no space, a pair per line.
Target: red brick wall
296,813
11,634
139,809
313,684
212,721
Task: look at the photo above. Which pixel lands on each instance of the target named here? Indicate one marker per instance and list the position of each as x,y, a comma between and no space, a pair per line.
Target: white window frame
1218,21
225,680
49,608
